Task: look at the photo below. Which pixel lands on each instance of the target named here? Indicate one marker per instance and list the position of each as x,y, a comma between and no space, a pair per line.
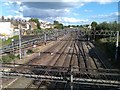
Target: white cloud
104,16
71,20
86,10
70,1
6,3
17,17
9,16
67,10
99,1
18,2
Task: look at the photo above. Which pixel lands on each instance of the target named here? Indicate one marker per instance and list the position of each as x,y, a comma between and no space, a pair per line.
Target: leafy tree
2,18
69,26
56,22
36,21
59,26
94,24
81,26
8,19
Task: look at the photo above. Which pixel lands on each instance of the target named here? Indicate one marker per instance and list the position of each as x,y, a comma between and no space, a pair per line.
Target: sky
75,12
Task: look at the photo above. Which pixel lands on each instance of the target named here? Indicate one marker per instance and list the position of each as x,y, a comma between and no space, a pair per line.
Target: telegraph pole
20,51
117,44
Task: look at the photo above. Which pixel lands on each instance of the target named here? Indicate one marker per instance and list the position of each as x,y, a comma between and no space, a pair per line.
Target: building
32,25
6,29
45,25
10,29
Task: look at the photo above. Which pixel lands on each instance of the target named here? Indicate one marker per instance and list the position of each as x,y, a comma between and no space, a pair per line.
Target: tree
77,26
2,18
8,19
36,21
59,26
94,24
69,26
105,26
56,22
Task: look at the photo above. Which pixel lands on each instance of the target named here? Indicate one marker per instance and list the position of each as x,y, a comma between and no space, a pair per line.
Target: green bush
8,58
29,51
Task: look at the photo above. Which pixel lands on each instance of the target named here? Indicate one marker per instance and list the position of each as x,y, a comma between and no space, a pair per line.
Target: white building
45,25
6,29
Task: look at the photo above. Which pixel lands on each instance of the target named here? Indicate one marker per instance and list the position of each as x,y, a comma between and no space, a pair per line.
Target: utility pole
71,79
117,44
20,50
45,37
57,34
94,34
13,45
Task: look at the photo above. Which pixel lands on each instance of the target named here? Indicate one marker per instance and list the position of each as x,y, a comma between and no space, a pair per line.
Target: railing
97,77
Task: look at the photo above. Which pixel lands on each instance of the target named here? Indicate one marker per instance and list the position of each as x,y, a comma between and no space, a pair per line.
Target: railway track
67,53
63,57
84,59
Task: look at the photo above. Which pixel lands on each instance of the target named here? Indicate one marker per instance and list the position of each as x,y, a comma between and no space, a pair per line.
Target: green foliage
108,26
29,51
94,24
108,47
36,21
8,58
56,22
58,25
9,41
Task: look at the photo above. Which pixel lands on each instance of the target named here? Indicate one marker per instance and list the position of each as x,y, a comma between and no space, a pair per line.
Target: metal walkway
73,75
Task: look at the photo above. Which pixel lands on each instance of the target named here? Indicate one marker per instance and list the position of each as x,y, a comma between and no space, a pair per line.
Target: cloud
69,20
52,5
48,9
104,16
17,17
8,3
86,10
99,1
40,13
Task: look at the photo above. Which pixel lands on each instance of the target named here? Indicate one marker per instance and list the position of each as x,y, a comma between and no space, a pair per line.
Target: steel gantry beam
98,77
30,39
52,34
100,32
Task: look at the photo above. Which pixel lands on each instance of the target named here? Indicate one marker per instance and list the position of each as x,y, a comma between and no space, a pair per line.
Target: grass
8,58
9,41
